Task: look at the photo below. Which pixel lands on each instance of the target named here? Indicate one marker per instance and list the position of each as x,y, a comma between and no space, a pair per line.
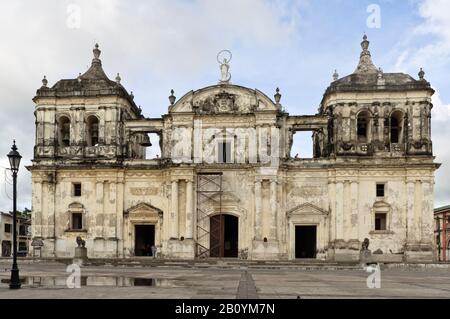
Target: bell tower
82,119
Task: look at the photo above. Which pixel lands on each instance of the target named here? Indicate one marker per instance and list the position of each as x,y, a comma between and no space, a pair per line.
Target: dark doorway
224,236
305,241
144,240
6,248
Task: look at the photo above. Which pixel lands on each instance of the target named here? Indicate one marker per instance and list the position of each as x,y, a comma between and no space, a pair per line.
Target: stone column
100,210
174,213
102,126
418,210
106,189
40,122
119,217
410,218
44,209
427,213
339,210
347,211
273,209
189,210
354,222
37,221
332,203
258,217
51,192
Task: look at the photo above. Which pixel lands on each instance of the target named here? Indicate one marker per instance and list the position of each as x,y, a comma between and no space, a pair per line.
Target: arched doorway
223,236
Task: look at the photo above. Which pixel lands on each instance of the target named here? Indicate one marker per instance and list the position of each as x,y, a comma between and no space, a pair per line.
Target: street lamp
14,160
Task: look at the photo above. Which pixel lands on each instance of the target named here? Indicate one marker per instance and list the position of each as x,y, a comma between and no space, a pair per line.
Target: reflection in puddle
95,281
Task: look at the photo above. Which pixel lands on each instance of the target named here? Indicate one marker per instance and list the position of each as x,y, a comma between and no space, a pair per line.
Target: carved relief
306,191
223,102
144,190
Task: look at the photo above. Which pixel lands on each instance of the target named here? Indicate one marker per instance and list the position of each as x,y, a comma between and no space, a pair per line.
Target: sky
161,45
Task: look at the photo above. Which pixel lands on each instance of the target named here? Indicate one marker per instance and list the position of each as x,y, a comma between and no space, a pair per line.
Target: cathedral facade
226,184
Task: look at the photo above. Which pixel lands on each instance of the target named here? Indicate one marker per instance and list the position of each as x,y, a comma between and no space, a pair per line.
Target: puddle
93,281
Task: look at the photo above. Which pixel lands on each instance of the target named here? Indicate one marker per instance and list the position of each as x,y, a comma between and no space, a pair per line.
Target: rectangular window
22,246
22,230
380,190
380,221
8,228
77,189
224,152
77,221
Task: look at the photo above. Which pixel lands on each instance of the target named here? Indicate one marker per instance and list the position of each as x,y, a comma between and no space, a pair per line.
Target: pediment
76,206
381,206
143,208
228,198
224,99
307,209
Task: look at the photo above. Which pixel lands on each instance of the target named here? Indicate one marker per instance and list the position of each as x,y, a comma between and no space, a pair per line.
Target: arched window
92,131
363,127
64,131
396,127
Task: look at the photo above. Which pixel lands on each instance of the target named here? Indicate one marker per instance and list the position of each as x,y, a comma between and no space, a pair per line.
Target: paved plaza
49,280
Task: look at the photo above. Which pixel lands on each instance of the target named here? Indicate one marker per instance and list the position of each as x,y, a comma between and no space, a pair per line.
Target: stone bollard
80,255
365,254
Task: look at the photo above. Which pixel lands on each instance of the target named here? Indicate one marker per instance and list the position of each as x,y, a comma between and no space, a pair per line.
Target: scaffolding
209,194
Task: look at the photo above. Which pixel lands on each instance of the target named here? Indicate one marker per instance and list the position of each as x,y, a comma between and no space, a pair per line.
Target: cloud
434,32
441,111
155,45
160,45
440,132
428,46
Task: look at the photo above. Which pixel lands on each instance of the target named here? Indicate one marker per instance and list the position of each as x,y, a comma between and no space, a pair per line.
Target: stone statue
80,252
365,244
81,242
225,75
224,67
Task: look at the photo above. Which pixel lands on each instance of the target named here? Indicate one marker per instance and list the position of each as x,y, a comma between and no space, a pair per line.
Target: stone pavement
48,280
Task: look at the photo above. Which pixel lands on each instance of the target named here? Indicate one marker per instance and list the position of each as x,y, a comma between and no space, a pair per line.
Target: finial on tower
421,74
97,53
277,96
365,64
172,97
118,78
365,43
44,81
335,75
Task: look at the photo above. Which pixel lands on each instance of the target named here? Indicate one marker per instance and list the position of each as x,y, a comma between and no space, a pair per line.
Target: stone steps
225,264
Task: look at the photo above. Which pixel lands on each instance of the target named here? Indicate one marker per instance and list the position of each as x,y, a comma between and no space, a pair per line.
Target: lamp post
14,160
